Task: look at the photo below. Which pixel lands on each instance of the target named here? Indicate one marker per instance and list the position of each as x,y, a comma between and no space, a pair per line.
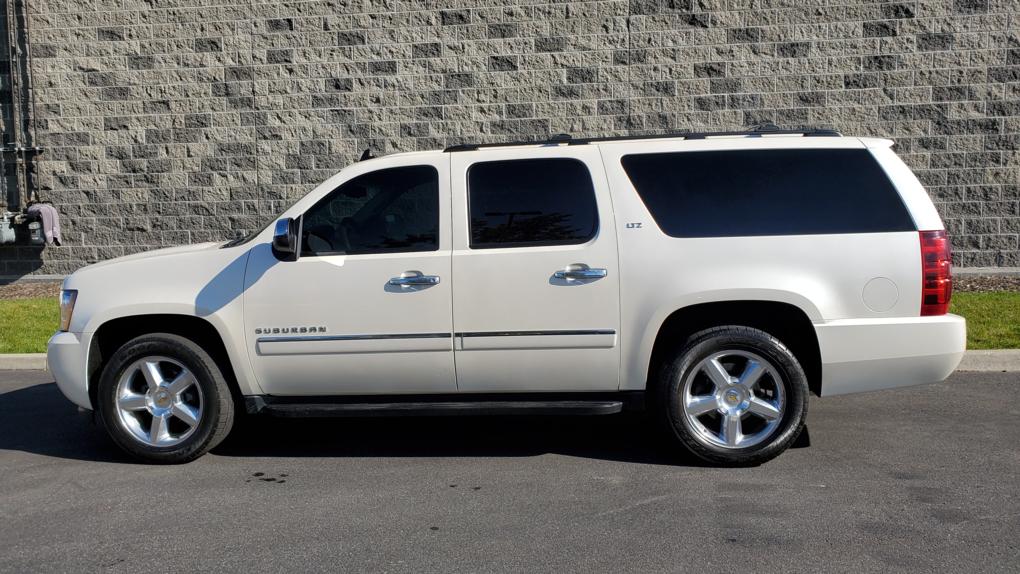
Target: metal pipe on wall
23,122
17,123
30,141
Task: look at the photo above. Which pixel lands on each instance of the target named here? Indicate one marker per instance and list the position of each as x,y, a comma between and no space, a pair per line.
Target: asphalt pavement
918,479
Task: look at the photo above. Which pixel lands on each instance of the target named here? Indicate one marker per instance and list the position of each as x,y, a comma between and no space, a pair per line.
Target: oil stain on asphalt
263,477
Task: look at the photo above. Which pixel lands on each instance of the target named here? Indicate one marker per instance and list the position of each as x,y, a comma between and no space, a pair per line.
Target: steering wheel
318,239
343,233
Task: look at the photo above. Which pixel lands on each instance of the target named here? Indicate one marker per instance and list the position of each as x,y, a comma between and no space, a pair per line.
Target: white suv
712,279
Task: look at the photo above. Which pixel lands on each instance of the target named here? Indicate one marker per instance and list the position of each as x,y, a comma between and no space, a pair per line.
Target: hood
193,280
157,253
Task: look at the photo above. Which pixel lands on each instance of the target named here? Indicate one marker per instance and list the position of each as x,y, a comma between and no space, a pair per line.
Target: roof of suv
758,131
751,137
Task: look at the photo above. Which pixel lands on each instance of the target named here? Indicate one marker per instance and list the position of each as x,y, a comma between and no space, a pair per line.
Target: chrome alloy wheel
733,399
159,401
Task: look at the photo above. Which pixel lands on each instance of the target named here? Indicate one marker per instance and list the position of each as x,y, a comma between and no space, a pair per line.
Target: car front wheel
163,399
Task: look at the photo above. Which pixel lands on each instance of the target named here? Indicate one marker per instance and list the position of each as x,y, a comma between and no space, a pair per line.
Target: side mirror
287,239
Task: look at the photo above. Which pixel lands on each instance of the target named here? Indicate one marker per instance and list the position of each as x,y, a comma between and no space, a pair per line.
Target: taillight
936,273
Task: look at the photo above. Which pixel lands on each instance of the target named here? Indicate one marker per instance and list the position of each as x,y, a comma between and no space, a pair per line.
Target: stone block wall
177,121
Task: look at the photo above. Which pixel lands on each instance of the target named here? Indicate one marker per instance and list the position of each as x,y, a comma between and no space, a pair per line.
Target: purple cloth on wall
50,221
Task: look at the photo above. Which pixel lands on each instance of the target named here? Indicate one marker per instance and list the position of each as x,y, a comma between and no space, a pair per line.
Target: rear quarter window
767,192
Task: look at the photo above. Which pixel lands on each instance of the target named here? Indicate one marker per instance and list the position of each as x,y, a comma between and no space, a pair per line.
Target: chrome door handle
414,278
580,271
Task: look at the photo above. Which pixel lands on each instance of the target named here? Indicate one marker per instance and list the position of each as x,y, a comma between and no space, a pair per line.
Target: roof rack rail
756,131
553,140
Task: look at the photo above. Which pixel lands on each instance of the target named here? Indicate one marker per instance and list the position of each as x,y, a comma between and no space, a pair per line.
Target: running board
432,408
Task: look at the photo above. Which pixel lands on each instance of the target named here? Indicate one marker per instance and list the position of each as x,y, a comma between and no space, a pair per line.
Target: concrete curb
23,362
997,360
1008,271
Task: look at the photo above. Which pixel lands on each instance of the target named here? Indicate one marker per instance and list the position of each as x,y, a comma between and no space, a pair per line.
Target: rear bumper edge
870,354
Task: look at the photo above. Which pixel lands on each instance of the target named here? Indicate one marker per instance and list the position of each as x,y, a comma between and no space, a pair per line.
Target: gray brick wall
178,121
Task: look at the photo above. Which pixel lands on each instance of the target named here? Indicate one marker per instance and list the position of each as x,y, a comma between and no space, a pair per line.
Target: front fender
207,284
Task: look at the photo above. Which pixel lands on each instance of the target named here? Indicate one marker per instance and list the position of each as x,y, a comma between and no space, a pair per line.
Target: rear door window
531,202
767,192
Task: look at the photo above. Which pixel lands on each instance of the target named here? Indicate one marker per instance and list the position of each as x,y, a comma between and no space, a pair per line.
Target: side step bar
293,407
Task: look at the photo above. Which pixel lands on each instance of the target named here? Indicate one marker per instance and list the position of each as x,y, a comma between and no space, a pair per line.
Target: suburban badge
286,330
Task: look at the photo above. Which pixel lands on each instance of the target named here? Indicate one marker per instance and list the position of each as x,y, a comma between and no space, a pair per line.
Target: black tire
217,402
668,394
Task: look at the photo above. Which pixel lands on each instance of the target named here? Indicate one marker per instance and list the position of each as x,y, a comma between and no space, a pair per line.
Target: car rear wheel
733,396
163,399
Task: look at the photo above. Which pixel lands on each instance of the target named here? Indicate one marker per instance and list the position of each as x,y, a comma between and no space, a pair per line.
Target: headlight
67,299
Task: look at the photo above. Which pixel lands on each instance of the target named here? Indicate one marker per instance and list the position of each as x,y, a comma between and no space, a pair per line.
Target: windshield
259,229
244,238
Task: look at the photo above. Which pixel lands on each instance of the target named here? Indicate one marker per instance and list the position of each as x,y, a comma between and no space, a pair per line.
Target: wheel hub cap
733,399
162,399
159,402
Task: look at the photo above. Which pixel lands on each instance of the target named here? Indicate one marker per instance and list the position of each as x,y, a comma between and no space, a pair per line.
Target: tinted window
531,202
389,210
767,192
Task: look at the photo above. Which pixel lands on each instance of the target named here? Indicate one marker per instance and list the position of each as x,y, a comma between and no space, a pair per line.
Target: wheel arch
113,333
785,321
